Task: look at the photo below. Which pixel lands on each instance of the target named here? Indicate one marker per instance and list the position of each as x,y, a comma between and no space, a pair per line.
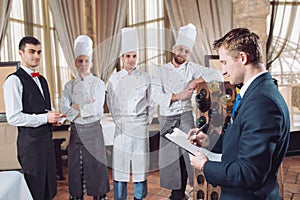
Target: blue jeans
120,190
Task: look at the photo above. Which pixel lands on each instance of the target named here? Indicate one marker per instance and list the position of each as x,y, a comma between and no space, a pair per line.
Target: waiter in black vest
27,104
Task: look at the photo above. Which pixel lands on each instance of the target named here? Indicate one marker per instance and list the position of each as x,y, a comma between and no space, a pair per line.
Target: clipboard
178,137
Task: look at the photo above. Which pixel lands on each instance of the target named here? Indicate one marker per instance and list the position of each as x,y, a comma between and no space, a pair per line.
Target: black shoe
100,197
76,198
184,198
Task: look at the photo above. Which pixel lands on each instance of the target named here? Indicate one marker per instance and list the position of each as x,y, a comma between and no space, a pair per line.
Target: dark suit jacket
254,145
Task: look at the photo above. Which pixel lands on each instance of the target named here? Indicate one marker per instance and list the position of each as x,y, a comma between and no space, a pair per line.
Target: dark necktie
236,104
35,74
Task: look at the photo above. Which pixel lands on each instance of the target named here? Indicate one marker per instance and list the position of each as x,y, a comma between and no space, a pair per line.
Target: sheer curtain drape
5,8
110,19
282,23
147,17
68,24
212,18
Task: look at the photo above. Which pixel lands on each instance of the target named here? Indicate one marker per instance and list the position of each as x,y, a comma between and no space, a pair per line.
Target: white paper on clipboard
180,138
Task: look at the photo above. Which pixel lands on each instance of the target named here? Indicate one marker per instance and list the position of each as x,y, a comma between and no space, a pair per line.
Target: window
148,18
34,18
286,34
286,44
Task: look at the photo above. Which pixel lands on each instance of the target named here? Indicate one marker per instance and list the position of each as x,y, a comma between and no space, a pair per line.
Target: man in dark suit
256,140
28,105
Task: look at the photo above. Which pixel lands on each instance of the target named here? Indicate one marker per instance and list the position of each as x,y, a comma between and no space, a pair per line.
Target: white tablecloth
108,127
8,147
13,186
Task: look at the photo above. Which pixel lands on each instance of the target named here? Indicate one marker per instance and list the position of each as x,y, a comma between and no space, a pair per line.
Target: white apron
131,149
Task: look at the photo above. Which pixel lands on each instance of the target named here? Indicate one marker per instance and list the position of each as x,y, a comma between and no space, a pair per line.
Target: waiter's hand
198,161
199,138
61,120
53,116
57,124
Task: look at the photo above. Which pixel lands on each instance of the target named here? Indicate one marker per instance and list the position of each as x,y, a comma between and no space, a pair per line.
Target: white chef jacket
13,90
170,80
127,94
129,101
89,93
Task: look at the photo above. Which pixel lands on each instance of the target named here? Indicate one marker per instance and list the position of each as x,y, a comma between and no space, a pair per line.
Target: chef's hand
185,94
75,106
194,83
199,138
198,161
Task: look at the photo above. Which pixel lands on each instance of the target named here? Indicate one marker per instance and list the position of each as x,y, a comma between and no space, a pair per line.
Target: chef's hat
130,40
83,46
186,36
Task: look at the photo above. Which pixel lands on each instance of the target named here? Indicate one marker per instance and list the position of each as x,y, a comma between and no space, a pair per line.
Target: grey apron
169,153
86,140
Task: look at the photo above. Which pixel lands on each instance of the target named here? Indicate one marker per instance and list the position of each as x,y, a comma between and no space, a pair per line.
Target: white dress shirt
248,83
89,93
13,90
170,80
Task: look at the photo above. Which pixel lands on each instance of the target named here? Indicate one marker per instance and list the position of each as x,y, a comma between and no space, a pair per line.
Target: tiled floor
291,180
155,192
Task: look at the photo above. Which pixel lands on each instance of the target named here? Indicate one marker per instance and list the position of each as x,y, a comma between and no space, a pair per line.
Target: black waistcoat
34,103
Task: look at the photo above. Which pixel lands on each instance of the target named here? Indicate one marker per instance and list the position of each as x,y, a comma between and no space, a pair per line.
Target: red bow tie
35,74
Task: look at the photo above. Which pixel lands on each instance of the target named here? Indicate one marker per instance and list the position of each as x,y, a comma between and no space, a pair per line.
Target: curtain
68,25
282,23
110,19
5,8
147,17
212,18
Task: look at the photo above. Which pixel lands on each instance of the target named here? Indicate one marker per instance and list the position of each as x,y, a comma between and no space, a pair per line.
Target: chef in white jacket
82,100
173,86
128,101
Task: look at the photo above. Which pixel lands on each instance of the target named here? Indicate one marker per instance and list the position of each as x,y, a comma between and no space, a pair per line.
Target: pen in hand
55,117
202,128
194,133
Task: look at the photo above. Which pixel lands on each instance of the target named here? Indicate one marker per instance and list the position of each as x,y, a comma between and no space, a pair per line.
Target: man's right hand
53,116
185,94
199,138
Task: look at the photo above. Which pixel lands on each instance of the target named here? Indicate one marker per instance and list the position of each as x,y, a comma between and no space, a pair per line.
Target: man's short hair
241,39
28,40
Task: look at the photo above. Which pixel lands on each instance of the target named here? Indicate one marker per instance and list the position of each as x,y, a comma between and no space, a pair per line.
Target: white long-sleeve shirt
170,80
13,90
89,93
